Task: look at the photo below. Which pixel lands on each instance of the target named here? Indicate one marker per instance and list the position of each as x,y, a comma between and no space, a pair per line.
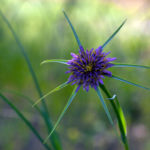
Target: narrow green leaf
52,91
104,105
120,117
111,37
54,140
130,65
25,120
128,82
73,30
63,112
23,96
61,61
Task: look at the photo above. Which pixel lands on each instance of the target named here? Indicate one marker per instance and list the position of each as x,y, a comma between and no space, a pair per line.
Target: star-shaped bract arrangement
89,68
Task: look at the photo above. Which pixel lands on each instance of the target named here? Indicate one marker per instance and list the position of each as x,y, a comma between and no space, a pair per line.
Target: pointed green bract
52,91
24,120
104,105
61,61
63,112
130,65
112,36
128,82
73,30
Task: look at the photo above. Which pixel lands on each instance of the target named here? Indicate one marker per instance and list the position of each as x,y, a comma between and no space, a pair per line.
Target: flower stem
120,117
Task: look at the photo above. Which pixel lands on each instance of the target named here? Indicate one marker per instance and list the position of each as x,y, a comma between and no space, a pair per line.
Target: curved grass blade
113,97
128,82
112,36
55,140
25,120
61,61
23,96
120,117
73,30
104,105
52,91
130,65
63,112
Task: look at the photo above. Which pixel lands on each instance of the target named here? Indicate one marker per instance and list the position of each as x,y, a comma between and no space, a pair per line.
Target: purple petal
81,49
101,81
78,88
74,55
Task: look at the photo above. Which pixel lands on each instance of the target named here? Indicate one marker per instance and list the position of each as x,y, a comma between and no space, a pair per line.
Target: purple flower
89,68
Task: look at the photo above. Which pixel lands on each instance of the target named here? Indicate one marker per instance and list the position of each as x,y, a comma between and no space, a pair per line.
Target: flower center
89,67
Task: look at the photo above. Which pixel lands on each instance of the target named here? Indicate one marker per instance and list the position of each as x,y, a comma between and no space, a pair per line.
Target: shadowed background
45,34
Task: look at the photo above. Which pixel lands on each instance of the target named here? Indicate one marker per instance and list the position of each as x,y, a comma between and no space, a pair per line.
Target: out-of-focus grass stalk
25,120
54,139
120,117
24,97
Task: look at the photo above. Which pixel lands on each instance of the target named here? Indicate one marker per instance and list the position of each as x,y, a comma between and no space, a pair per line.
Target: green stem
54,139
118,115
25,120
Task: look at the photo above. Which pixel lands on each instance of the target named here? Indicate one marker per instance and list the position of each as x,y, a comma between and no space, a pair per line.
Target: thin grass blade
73,30
112,36
61,61
55,140
130,65
104,105
63,112
24,120
52,91
128,82
113,97
23,96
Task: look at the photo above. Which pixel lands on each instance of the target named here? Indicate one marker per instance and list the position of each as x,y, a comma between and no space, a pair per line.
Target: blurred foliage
45,34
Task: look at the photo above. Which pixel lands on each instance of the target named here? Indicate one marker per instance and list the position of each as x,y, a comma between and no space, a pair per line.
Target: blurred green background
45,34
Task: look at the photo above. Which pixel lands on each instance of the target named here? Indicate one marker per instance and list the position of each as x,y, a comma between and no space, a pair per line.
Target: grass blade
112,36
120,117
113,97
25,120
128,82
63,112
23,96
52,91
104,105
130,65
73,30
55,141
61,61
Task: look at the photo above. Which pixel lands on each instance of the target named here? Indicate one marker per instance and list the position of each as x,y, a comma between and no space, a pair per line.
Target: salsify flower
88,68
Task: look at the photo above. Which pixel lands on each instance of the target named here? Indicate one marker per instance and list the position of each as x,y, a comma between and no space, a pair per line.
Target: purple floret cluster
89,67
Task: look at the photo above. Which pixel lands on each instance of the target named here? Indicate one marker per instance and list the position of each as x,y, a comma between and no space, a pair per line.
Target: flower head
89,68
